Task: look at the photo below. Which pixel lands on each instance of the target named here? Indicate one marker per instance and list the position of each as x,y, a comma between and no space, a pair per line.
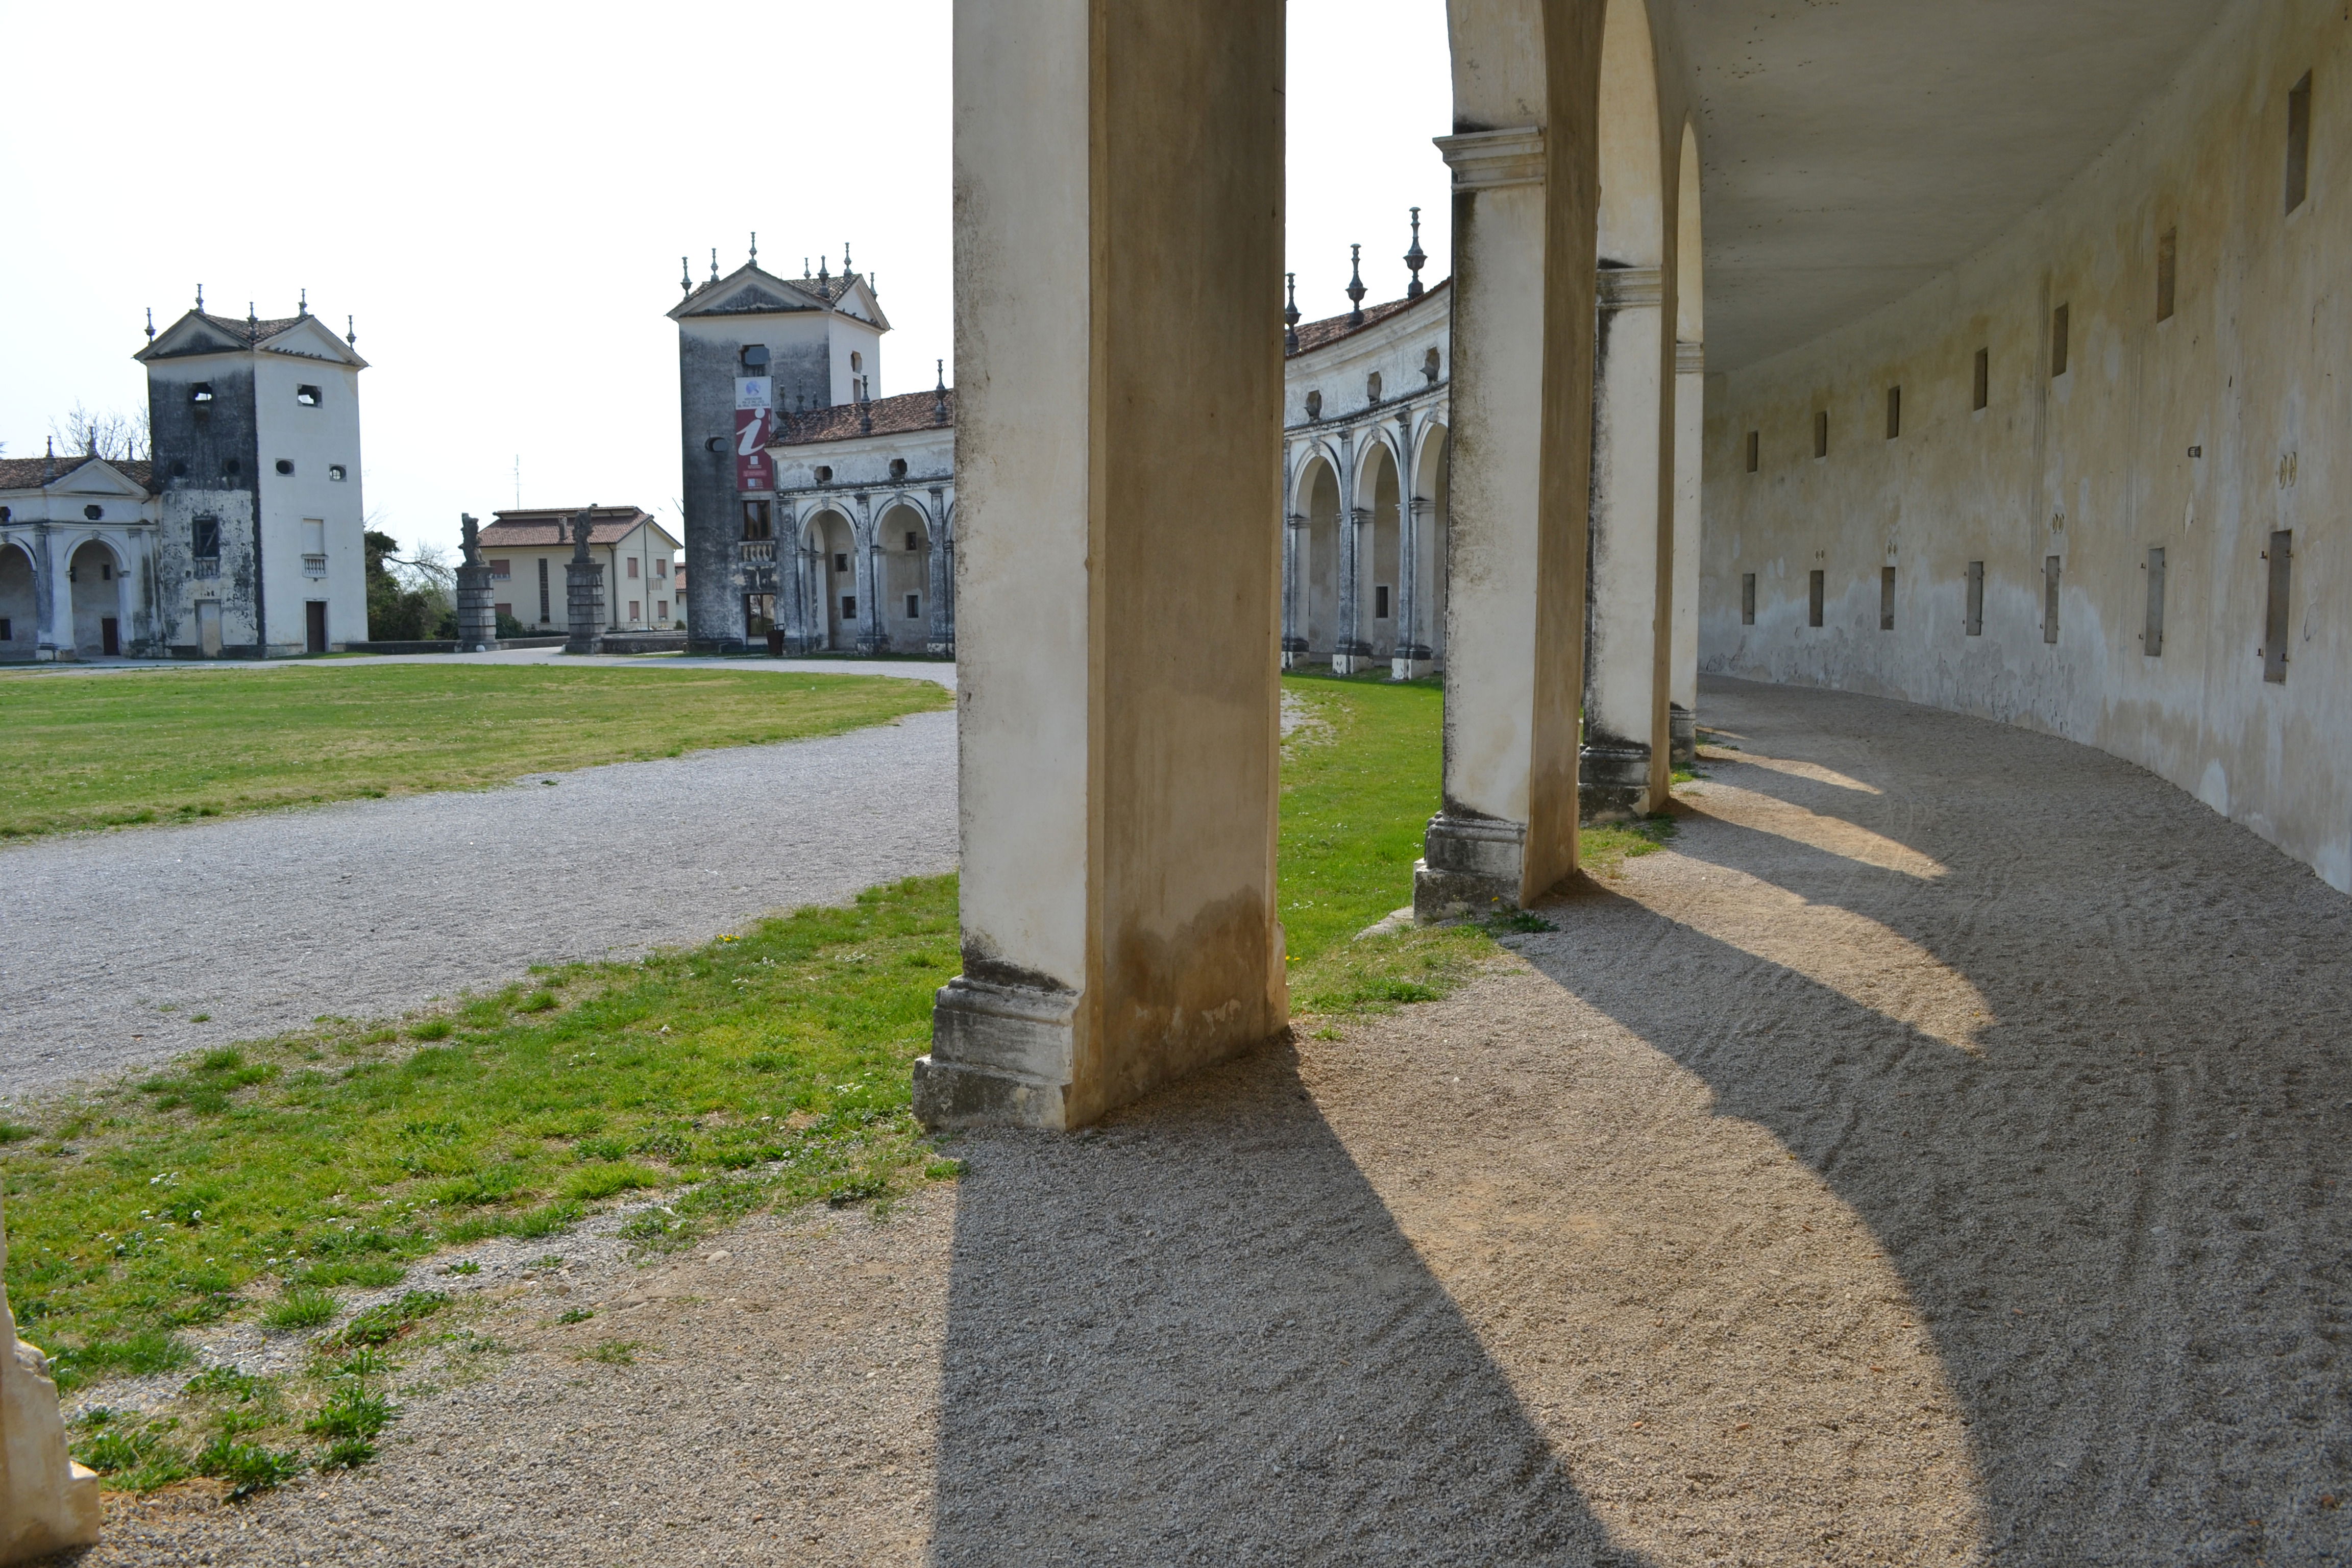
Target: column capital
1295,519
1359,515
1489,160
1631,288
1690,359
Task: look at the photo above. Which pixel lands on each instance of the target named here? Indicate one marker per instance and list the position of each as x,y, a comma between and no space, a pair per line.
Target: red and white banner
754,469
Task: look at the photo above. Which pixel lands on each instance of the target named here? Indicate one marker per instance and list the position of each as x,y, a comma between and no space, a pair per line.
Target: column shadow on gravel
2124,1219
1195,1336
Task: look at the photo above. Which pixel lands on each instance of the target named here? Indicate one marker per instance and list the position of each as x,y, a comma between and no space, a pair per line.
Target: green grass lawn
760,1071
105,750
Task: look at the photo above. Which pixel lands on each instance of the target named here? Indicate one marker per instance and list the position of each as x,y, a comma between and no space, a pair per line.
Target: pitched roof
909,411
255,331
1313,335
32,473
549,526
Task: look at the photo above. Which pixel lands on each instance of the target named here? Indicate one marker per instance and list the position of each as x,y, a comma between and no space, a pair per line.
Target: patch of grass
576,1315
135,1354
604,1181
367,1273
613,1353
146,744
249,1468
301,1308
1602,848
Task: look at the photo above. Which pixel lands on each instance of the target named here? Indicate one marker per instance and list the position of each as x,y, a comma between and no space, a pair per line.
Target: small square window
308,396
202,392
913,606
911,546
335,472
849,606
841,561
203,537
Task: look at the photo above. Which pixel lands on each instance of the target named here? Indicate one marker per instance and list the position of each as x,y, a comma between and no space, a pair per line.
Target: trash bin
776,644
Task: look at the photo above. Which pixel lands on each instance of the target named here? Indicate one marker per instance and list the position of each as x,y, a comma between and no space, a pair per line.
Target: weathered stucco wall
2199,435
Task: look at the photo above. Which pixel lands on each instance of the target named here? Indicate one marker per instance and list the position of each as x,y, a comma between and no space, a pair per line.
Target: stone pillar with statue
584,590
477,617
47,1503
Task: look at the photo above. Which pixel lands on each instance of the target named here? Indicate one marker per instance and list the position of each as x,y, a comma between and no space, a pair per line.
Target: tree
408,600
115,436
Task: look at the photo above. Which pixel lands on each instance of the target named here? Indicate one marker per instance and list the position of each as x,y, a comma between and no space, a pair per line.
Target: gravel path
367,908
1934,1157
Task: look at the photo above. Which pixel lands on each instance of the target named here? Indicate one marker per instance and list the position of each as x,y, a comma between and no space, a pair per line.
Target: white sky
500,195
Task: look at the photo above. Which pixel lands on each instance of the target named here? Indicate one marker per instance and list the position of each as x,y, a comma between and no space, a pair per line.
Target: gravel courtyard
1932,1157
112,944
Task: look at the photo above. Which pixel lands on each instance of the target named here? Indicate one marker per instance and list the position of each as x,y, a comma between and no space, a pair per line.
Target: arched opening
1318,565
1428,531
20,605
1631,211
902,555
1378,583
831,548
96,572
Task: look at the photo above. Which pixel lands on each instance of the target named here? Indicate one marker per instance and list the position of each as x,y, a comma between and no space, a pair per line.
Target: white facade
644,586
77,558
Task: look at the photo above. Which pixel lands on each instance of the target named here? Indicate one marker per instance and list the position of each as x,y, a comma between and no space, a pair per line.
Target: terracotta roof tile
892,417
1313,335
32,473
551,526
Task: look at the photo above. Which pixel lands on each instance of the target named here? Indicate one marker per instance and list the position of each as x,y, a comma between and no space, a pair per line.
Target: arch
829,545
1317,501
20,600
95,583
1433,452
1380,544
902,570
1632,227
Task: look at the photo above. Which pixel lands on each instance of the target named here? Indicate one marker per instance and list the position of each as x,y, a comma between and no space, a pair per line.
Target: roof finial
685,276
199,299
151,323
821,275
1356,285
252,322
1290,315
351,334
939,396
755,248
845,268
304,307
714,263
1414,258
804,271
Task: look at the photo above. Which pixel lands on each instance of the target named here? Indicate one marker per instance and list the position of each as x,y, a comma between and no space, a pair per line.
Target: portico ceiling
1854,149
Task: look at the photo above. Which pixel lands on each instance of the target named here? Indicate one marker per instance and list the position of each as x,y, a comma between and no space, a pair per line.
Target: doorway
208,627
109,637
318,625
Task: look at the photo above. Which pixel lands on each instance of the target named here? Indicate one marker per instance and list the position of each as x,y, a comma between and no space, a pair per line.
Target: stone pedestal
584,596
477,617
1682,725
47,1503
1613,782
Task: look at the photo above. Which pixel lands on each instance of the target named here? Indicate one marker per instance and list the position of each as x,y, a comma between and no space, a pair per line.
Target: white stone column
1690,433
1520,396
1294,592
47,1503
1119,203
941,642
55,592
1621,772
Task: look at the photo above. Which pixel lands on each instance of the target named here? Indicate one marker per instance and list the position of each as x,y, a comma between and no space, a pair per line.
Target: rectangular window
755,520
634,610
2167,262
2151,641
2049,598
544,618
308,396
2058,343
6,634
502,570
1893,412
1816,590
1821,433
661,609
1753,442
913,606
1379,601
911,546
849,606
2298,141
1886,598
204,540
2281,555
1747,598
1975,622
661,567
841,561
1984,378
633,566
758,615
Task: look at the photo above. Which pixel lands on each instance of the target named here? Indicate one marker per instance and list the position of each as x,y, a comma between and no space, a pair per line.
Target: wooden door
318,608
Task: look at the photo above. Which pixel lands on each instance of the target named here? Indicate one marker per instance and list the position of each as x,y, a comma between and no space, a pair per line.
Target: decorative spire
714,263
1290,315
1356,285
351,333
1415,258
755,248
304,307
804,271
151,323
252,322
199,299
685,276
865,409
823,279
939,396
845,268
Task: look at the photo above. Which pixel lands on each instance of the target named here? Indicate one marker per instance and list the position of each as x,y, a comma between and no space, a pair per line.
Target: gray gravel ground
368,908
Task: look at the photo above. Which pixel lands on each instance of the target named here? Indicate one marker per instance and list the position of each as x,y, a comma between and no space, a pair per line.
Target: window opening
1886,598
544,616
2058,343
913,606
755,359
1315,406
1974,623
201,393
1432,363
911,546
1816,592
2152,639
633,566
756,522
2281,555
502,570
285,465
335,472
1753,442
1893,412
2049,598
849,606
1372,387
93,512
2167,261
897,467
2298,141
1379,601
205,536
1747,598
841,561
308,396
1820,432
633,610
823,475
758,615
1984,377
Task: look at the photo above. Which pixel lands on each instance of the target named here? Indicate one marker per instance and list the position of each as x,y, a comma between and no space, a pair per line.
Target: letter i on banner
754,428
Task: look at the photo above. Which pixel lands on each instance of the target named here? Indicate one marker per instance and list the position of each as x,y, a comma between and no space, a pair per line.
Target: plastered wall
2201,434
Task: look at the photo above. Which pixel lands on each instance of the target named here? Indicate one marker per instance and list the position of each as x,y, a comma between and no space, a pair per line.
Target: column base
940,649
1469,865
1001,1057
1403,669
1682,731
577,644
1612,784
1353,663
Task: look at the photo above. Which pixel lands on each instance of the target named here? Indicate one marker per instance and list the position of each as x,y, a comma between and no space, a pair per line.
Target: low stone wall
448,645
644,642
